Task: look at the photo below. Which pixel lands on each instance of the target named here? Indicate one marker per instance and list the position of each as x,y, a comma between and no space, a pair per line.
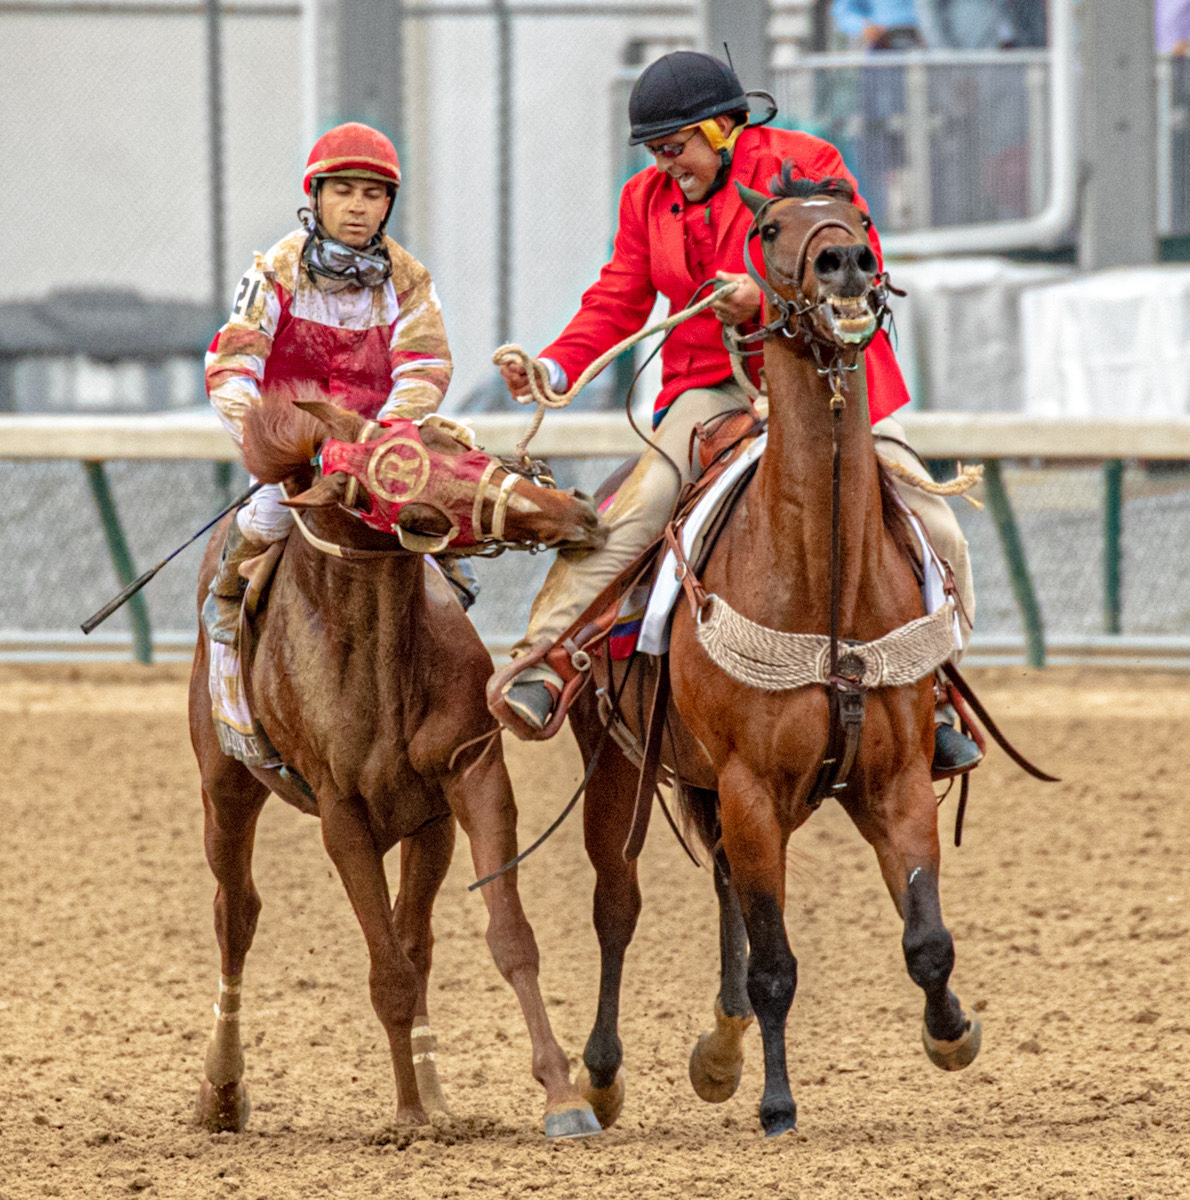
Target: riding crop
96,619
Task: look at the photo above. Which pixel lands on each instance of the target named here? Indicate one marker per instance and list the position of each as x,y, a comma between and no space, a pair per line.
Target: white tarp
1112,343
958,330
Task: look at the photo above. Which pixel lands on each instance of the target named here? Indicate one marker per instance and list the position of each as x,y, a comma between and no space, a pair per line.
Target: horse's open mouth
851,318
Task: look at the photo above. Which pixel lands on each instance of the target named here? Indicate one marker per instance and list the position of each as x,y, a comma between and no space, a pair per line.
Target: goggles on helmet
328,259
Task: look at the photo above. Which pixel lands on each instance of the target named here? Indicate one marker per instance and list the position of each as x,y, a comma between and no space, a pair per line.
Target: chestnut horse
367,678
748,759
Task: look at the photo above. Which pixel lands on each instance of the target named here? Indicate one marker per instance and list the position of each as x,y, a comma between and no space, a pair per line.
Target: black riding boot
954,752
221,608
461,576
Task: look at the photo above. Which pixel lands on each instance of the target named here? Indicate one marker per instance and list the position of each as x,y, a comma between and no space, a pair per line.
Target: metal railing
1012,448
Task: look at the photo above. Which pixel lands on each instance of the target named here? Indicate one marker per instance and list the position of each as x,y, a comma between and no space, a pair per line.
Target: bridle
794,314
490,543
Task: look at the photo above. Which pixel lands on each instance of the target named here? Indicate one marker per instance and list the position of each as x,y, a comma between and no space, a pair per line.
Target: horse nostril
828,261
866,261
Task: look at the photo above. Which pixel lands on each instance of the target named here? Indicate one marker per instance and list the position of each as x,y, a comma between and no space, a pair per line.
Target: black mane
802,189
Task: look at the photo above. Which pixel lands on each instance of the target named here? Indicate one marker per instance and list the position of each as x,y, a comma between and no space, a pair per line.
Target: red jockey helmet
355,150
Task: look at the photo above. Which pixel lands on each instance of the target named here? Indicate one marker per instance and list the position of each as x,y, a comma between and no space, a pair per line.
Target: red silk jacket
649,256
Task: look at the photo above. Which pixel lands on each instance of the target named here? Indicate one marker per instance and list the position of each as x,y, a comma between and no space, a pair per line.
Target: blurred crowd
976,24
941,24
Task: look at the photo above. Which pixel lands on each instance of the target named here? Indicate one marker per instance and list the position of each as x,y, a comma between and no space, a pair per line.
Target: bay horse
367,678
747,759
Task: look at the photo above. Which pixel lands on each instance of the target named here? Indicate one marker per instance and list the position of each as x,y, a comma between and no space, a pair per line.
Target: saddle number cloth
239,735
653,627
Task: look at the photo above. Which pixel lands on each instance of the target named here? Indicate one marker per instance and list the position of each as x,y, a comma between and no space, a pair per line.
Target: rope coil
543,395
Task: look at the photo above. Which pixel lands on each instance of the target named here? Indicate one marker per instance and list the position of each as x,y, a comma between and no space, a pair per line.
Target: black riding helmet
681,89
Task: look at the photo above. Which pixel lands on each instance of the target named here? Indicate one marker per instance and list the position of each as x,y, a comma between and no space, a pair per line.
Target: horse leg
487,812
755,845
232,799
607,817
393,980
903,830
717,1060
425,858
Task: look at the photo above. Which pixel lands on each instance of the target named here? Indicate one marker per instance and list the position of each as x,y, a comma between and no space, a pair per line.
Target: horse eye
769,232
865,221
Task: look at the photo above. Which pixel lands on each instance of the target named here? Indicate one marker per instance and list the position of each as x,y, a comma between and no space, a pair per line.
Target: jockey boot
461,576
221,608
954,752
533,694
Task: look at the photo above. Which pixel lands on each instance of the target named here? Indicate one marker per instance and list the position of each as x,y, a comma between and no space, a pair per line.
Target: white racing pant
263,519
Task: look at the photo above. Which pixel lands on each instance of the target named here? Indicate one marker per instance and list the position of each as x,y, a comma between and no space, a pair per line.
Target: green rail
1018,566
126,572
1113,531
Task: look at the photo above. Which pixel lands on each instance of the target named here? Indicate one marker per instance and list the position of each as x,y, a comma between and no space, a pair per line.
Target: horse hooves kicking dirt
717,1060
954,1056
222,1109
607,1102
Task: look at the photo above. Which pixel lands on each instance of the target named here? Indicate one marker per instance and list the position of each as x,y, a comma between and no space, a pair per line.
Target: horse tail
698,817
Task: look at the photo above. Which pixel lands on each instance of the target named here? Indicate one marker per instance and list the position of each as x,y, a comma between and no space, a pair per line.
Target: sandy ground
1068,902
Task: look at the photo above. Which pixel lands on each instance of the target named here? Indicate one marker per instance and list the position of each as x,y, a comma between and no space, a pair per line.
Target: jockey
336,302
681,226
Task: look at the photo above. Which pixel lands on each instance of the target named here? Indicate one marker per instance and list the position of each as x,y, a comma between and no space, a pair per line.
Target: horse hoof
779,1120
954,1056
574,1119
607,1102
222,1108
714,1079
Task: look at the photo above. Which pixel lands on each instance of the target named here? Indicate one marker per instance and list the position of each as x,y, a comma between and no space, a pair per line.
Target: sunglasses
669,149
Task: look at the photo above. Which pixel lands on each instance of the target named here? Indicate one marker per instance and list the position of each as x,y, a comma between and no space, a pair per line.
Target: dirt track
1070,906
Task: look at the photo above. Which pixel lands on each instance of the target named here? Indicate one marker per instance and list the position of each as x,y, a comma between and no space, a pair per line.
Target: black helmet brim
649,133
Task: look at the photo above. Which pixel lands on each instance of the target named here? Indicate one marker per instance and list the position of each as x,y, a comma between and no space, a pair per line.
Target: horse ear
344,426
326,490
753,200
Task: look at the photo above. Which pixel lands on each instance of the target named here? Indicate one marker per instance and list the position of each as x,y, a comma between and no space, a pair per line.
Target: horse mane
279,437
786,185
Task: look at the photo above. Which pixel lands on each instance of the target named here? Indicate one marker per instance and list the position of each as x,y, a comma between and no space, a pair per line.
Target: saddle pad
654,631
654,628
239,736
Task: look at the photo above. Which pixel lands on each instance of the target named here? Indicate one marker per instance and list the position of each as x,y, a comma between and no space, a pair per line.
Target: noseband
793,319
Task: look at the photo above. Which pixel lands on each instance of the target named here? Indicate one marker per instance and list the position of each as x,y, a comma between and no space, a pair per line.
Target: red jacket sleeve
619,301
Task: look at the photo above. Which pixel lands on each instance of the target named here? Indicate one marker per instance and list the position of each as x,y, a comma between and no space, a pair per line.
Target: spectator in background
1173,26
878,24
880,148
965,24
1027,18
